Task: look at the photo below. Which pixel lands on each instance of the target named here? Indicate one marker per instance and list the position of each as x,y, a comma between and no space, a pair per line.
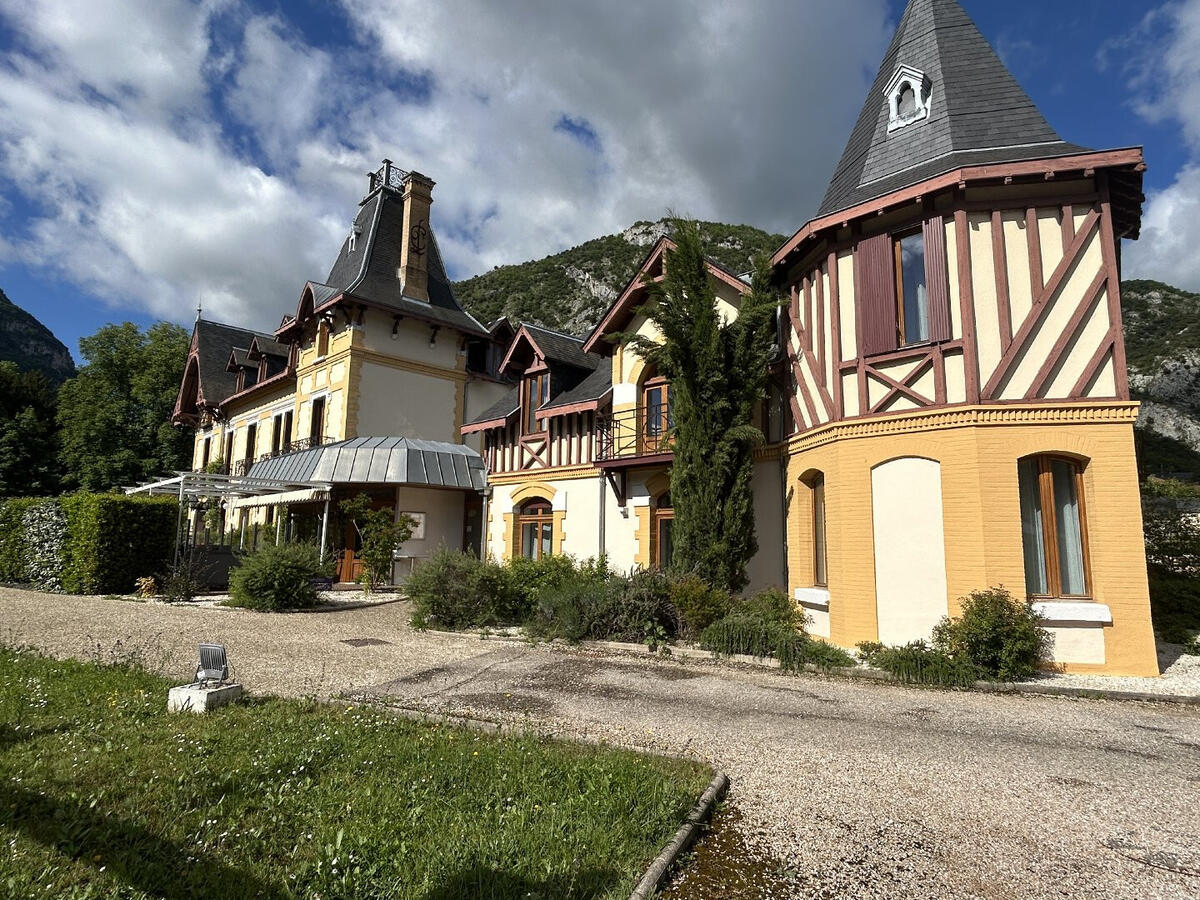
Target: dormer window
352,240
910,95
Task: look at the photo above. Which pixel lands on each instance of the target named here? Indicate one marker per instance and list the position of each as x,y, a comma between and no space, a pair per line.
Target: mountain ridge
24,340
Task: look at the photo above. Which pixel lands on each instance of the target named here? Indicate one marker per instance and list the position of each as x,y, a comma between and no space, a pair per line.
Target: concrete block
200,698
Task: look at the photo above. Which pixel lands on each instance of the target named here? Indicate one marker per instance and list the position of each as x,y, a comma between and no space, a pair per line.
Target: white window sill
814,598
1073,612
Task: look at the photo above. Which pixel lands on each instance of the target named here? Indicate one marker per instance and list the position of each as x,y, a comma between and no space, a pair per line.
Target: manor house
949,409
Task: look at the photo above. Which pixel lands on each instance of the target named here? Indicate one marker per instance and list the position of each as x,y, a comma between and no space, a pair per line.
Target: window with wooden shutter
874,266
904,288
937,279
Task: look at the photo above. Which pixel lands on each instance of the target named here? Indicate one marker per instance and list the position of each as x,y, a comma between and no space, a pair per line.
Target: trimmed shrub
277,578
526,581
595,604
747,633
1175,606
575,609
772,605
14,550
751,634
697,604
112,540
453,590
1000,636
918,663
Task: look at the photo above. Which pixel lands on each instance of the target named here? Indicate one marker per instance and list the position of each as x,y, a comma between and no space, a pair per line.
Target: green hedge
111,540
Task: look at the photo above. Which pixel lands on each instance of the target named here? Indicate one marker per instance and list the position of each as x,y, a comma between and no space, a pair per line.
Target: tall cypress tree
718,371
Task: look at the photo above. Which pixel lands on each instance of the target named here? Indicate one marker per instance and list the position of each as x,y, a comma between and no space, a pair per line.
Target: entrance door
910,548
350,566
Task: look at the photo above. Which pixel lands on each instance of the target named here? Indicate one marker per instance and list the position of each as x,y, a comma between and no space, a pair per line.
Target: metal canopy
207,484
379,460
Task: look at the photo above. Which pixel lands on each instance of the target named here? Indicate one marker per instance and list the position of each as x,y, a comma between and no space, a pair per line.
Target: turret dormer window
909,94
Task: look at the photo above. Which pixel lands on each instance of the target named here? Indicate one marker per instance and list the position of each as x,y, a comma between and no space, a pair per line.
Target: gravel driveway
839,788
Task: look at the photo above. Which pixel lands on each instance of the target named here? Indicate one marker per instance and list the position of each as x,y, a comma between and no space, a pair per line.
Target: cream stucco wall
443,509
766,568
395,401
910,548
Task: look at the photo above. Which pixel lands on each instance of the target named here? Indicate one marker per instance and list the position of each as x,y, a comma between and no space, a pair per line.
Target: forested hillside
570,290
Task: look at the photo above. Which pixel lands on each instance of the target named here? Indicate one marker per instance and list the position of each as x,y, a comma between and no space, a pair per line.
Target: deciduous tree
115,414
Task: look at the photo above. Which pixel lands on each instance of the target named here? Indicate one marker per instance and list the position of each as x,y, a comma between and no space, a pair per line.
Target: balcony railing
633,433
241,467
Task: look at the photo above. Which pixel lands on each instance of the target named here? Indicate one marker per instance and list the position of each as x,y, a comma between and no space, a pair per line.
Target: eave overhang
1130,159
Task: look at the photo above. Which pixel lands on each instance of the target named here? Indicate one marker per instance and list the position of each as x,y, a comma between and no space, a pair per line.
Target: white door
910,548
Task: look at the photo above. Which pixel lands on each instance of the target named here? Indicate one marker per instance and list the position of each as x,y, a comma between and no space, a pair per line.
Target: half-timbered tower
951,412
961,405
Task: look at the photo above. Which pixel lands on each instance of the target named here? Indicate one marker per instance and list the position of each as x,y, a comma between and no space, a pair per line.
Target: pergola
249,490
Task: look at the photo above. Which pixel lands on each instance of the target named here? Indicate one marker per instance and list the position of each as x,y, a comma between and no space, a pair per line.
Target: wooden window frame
659,515
1049,515
539,513
251,441
316,423
536,385
898,262
322,339
820,545
662,440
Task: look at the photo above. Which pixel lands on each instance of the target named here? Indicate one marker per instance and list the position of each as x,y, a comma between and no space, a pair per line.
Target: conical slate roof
978,114
367,268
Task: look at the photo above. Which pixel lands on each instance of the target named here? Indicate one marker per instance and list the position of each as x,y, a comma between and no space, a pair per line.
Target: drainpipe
486,493
783,480
602,513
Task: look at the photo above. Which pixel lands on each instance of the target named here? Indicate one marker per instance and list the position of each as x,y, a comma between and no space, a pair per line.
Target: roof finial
199,309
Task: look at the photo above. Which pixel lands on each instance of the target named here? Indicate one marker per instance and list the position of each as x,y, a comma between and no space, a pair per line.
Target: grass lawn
103,794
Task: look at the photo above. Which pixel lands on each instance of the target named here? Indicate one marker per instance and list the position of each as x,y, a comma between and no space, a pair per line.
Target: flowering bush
45,528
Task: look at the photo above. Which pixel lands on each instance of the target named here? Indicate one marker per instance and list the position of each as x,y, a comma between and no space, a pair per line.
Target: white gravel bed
1180,677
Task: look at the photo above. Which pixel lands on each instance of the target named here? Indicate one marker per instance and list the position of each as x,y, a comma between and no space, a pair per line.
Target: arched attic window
909,96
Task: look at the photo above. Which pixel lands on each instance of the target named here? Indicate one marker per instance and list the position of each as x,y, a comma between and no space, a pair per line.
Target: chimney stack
417,194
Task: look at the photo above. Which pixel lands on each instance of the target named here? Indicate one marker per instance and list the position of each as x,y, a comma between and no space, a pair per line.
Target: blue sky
217,155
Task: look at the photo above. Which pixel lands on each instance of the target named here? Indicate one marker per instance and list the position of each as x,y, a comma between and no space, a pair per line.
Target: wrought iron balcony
633,433
386,175
242,467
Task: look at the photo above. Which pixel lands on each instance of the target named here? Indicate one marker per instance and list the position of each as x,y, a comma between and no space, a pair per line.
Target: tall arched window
1053,527
658,409
816,488
535,527
664,522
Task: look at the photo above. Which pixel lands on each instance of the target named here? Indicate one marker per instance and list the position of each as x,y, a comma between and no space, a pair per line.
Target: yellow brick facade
981,508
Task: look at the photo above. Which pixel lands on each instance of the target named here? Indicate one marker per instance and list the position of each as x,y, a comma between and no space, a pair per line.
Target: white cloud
180,152
1166,72
1167,248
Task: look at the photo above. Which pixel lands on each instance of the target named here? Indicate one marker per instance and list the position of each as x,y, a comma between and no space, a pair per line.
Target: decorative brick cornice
562,473
1103,412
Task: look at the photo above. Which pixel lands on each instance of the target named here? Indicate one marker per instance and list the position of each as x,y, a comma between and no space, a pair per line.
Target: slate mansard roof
979,114
370,270
215,343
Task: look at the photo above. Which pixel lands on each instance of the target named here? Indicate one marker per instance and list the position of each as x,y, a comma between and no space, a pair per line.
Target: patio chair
214,664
